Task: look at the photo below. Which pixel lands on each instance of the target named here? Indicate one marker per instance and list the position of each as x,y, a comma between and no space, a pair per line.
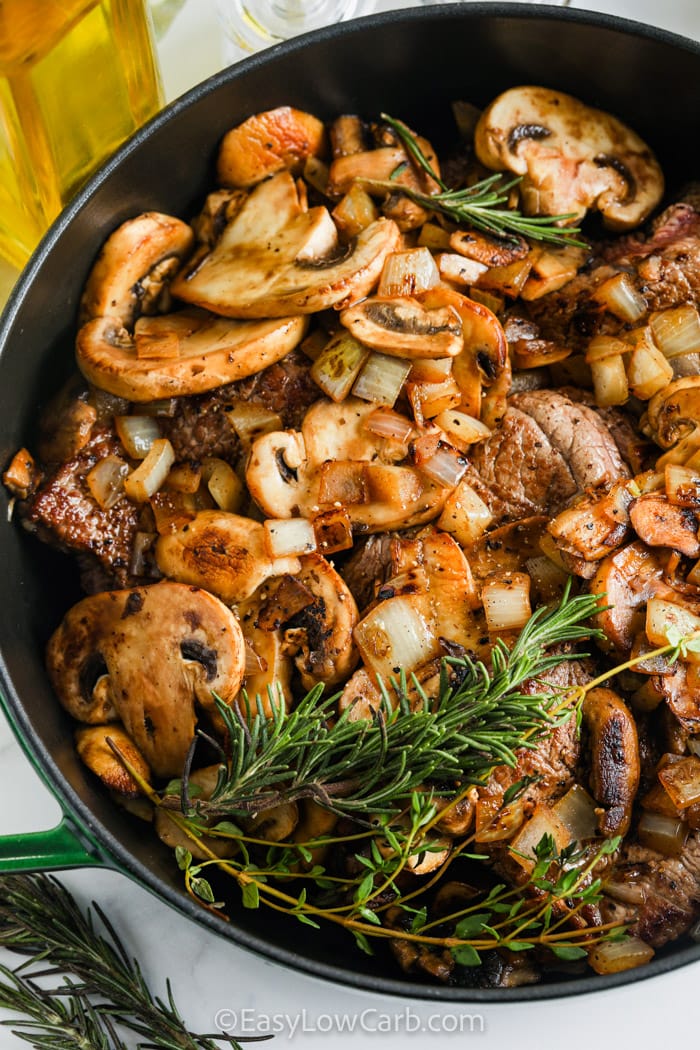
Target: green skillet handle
60,847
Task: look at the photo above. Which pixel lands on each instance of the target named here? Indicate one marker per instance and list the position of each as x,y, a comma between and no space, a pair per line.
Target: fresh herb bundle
481,205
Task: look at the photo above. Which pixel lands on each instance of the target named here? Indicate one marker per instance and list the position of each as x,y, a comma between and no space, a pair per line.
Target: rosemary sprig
106,990
480,719
480,205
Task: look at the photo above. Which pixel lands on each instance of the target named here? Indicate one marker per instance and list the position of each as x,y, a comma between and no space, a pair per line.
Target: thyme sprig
98,988
481,205
480,719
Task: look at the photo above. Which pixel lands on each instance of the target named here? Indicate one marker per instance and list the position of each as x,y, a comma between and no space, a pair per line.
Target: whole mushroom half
276,258
155,652
571,157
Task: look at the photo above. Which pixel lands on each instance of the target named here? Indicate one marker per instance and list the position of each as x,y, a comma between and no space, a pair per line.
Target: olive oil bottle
76,78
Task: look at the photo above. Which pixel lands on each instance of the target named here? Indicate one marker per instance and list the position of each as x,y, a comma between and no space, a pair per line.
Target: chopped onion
355,212
619,295
286,537
458,269
495,822
185,477
253,663
250,421
682,485
677,331
506,601
550,550
662,616
223,483
648,481
682,781
548,579
430,369
610,381
314,344
648,371
106,481
616,956
137,434
430,399
343,483
465,515
603,346
381,379
693,575
446,467
143,541
333,530
434,236
396,485
172,510
543,821
577,812
551,270
408,272
395,635
164,409
664,834
338,365
316,174
462,430
386,423
507,279
626,890
148,477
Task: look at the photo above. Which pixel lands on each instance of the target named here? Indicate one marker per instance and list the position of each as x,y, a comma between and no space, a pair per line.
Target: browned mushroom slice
674,412
322,633
154,651
180,354
275,258
571,157
134,267
276,140
405,327
663,524
225,553
626,580
94,746
614,758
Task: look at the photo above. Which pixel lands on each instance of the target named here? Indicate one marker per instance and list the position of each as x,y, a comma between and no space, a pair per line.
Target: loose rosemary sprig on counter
480,205
479,720
105,991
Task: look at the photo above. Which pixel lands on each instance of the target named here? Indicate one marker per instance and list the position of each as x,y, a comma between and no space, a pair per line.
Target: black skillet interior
412,64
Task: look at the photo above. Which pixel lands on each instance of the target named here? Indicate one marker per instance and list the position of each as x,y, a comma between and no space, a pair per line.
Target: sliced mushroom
94,748
133,269
180,354
321,635
276,140
571,157
155,650
626,580
615,766
288,471
404,327
674,412
275,670
169,832
662,524
222,552
275,258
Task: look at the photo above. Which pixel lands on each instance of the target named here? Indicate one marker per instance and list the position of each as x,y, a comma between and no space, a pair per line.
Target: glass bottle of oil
76,78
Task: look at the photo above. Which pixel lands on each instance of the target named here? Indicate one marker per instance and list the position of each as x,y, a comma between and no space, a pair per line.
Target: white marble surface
210,975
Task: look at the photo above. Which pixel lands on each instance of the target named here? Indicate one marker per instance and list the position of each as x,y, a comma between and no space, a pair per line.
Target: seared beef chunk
64,513
667,890
368,567
664,266
201,428
546,450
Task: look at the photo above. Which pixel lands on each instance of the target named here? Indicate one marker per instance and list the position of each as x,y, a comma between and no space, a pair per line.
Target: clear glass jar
250,25
76,78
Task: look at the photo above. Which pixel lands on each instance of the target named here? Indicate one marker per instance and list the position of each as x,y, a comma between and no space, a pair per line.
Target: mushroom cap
275,258
155,650
136,261
209,352
571,157
267,143
223,552
674,411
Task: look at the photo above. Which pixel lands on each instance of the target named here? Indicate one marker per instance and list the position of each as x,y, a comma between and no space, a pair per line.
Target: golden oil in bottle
76,78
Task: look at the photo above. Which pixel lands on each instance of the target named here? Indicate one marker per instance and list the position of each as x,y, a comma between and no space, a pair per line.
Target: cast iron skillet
412,64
